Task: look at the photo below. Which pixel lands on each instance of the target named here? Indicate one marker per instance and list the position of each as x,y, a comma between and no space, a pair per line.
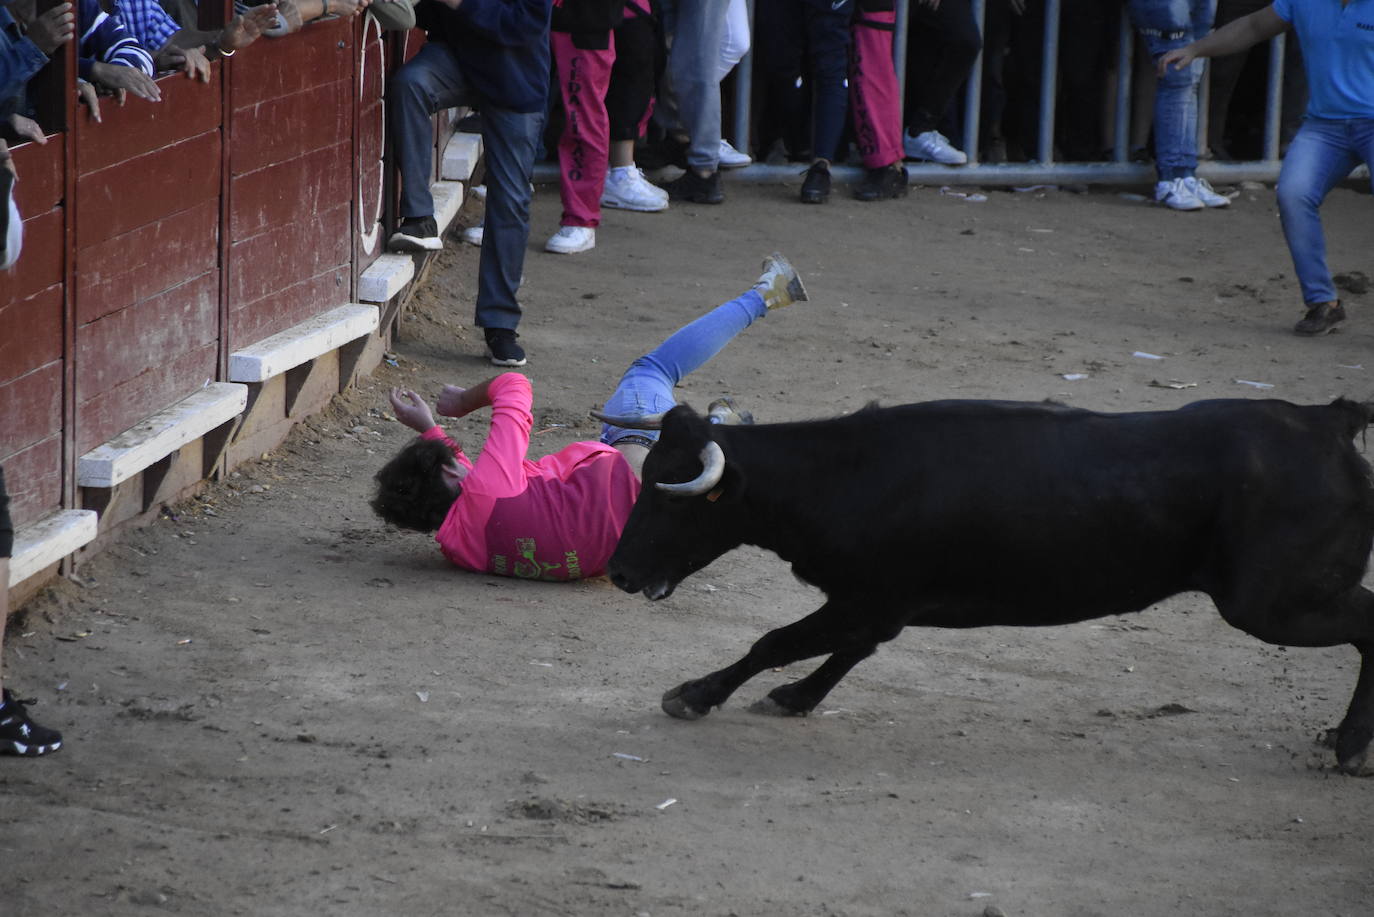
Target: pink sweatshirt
555,519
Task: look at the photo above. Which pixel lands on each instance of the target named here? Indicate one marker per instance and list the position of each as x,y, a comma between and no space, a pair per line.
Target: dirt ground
274,705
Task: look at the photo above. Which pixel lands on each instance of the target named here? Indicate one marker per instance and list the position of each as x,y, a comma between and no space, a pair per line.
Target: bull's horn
631,421
713,467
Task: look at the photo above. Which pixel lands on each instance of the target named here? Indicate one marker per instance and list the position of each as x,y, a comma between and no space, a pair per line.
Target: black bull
972,513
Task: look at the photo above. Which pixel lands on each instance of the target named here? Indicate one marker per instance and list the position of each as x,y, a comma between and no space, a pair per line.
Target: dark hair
411,490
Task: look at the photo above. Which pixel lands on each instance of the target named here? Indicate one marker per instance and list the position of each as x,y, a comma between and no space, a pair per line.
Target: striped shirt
147,21
104,38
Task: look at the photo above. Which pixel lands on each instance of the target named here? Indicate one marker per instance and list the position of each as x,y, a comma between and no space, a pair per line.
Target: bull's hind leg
831,629
1346,619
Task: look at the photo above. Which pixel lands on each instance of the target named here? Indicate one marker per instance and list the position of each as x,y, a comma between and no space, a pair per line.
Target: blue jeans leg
509,141
1322,154
647,386
1166,25
429,82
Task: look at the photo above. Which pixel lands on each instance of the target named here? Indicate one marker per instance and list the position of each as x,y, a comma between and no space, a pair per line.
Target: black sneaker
502,349
20,735
416,234
692,187
882,183
816,186
1321,319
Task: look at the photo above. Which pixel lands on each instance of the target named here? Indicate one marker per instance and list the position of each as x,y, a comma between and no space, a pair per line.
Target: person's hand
6,160
192,60
1177,59
85,92
27,128
452,403
411,409
347,9
53,29
242,31
121,80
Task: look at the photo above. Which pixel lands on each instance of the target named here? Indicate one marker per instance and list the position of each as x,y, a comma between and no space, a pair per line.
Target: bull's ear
731,486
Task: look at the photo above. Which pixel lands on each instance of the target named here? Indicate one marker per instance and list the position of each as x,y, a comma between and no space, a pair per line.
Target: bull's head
683,519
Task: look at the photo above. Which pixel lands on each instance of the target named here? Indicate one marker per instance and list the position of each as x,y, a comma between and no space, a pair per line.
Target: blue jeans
1166,25
429,82
695,29
647,386
1322,154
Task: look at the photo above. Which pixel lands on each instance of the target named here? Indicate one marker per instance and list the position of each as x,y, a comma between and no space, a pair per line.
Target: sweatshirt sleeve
510,23
500,469
19,61
104,38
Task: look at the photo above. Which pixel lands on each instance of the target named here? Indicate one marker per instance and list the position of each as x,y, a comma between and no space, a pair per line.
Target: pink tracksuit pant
873,97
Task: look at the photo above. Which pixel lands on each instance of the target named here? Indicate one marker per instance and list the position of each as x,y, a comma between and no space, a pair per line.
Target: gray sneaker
725,411
779,284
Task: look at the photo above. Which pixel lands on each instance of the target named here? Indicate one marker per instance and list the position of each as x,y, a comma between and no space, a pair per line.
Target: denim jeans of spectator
1322,154
1166,25
695,30
429,82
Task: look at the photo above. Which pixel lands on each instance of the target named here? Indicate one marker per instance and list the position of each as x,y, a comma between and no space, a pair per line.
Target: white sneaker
1176,195
932,146
473,235
627,189
569,240
731,158
1203,192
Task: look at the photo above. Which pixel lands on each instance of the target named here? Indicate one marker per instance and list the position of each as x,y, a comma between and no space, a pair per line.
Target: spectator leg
509,140
696,29
428,83
1322,154
873,89
828,40
583,78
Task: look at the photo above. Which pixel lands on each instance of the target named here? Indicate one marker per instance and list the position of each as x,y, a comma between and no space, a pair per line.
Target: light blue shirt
1338,54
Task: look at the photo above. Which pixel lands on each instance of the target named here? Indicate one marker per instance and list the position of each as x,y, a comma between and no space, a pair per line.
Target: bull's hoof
676,706
769,707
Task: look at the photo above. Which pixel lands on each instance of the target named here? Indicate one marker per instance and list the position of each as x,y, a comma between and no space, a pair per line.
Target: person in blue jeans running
1337,134
1167,25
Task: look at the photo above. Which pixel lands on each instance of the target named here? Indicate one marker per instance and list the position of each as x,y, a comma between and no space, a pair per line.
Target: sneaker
1203,192
725,411
502,349
882,183
690,186
779,284
815,187
416,234
569,240
627,189
731,158
932,146
1321,318
20,735
473,235
1176,195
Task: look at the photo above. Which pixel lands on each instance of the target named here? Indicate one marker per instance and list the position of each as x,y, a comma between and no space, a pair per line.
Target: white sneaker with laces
627,189
569,240
1203,192
1176,195
731,158
932,146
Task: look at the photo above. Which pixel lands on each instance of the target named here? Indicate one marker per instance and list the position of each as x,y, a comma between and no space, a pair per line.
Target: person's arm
455,401
1232,38
25,57
500,469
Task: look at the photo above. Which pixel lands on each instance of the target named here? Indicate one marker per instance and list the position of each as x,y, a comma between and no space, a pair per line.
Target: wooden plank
159,435
188,108
40,262
274,260
143,262
121,344
39,167
115,200
32,408
43,543
33,479
302,343
284,308
289,192
30,333
318,54
280,129
102,414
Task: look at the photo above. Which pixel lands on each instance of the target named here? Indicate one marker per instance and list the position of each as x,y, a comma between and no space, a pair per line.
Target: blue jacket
502,47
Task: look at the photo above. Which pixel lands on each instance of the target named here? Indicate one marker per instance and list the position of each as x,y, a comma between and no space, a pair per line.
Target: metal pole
1273,102
1049,79
1125,67
744,91
973,97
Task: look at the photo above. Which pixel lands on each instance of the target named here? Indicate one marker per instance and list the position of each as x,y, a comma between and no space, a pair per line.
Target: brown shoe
1321,318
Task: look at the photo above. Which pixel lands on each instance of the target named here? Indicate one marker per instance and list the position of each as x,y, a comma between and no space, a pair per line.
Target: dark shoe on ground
20,735
502,349
666,152
779,284
882,183
725,411
816,186
1321,319
416,234
694,188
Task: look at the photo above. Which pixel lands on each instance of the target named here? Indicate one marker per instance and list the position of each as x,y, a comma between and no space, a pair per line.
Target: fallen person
558,518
